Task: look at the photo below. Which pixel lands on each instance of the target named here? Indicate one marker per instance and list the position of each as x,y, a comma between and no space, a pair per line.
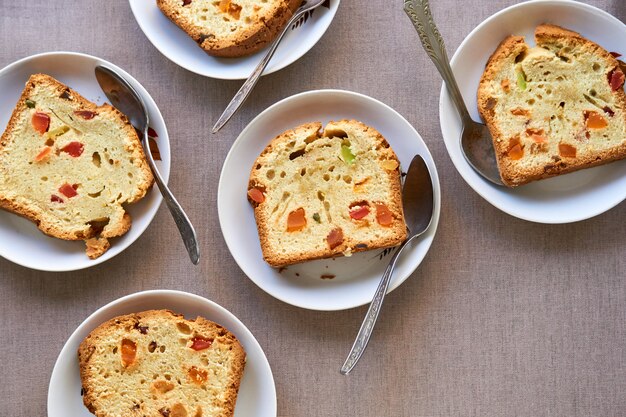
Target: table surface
503,318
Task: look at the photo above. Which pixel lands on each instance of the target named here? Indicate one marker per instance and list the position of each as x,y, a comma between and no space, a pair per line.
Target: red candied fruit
200,343
41,122
335,238
256,195
616,79
85,114
68,190
359,210
56,199
74,149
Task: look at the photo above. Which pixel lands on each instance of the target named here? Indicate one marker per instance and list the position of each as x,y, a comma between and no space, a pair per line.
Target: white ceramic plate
20,240
563,199
178,47
356,277
257,393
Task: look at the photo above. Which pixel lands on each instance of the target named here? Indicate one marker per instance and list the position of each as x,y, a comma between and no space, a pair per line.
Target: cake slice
69,165
230,28
319,194
554,108
158,364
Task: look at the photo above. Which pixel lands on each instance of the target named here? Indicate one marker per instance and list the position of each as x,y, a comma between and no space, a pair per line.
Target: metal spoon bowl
476,142
418,204
124,97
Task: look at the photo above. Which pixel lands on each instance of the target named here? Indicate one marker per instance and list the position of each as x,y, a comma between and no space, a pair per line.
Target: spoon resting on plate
476,142
418,206
124,97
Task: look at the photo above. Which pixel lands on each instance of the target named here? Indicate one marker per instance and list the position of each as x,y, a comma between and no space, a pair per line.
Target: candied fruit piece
616,79
383,214
86,114
45,152
74,149
41,122
200,343
68,190
296,220
199,376
256,195
567,151
594,120
389,164
335,238
128,352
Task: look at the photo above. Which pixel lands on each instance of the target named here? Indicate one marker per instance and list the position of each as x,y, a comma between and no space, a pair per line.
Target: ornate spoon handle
185,227
365,332
419,13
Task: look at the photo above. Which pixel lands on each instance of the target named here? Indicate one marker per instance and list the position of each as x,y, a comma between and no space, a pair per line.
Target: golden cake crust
20,164
158,364
304,169
563,141
230,28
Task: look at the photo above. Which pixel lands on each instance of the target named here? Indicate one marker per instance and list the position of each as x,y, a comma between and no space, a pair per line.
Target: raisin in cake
157,364
69,165
230,28
319,194
554,108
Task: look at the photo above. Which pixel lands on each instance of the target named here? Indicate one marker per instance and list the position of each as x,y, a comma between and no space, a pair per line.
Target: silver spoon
124,97
418,202
476,143
247,87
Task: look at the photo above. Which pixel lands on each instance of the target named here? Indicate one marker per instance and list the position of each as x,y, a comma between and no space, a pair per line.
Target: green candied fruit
316,217
61,130
521,80
346,155
30,104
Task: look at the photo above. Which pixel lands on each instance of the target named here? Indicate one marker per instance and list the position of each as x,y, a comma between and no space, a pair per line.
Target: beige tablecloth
503,318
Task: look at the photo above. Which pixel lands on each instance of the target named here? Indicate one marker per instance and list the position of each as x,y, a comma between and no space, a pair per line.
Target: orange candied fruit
567,151
129,352
199,376
41,122
256,195
594,120
296,220
383,214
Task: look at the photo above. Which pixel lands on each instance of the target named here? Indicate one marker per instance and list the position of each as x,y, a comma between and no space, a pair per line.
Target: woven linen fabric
504,317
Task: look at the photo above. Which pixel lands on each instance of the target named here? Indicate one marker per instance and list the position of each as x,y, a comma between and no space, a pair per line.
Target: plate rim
65,350
430,162
146,96
225,76
572,216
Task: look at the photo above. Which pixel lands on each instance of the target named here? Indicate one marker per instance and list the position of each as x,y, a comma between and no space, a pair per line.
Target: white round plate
20,240
181,49
355,278
257,393
568,198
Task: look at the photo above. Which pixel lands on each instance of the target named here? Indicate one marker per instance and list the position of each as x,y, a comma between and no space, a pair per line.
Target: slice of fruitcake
319,194
69,165
554,108
158,364
230,28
